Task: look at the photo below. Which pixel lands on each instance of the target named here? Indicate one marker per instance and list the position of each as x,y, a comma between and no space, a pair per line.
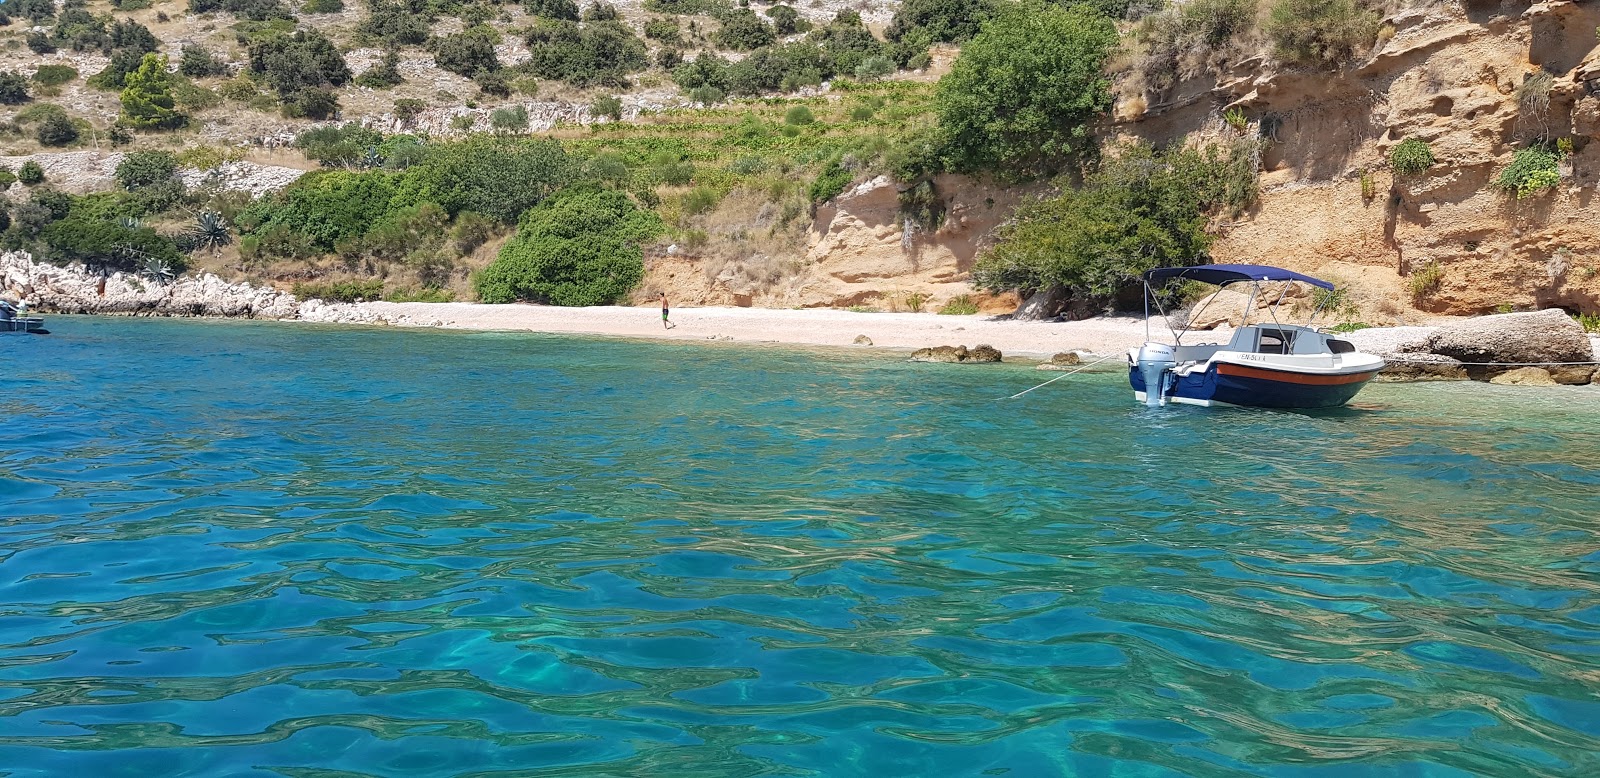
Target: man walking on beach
666,325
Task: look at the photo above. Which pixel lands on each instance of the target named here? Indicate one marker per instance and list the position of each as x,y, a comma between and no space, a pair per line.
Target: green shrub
1324,33
848,43
701,199
384,75
338,146
579,248
592,54
1425,281
341,291
1139,210
497,177
40,43
1411,156
466,54
565,10
298,62
139,169
56,130
601,12
960,305
408,108
253,10
13,88
199,62
327,207
830,183
664,30
109,243
1021,95
1532,171
1590,322
396,23
743,30
30,174
310,103
607,106
471,231
7,178
786,20
55,75
322,6
511,119
798,115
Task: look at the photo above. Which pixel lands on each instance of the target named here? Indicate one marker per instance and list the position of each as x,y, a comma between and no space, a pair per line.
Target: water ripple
276,550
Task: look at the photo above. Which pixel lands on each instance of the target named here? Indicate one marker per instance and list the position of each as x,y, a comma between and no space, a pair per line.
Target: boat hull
34,325
1260,387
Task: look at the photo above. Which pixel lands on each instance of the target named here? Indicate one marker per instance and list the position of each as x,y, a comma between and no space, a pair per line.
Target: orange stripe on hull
1287,377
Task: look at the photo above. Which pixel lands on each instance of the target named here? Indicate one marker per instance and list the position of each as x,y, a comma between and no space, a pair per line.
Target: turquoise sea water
260,549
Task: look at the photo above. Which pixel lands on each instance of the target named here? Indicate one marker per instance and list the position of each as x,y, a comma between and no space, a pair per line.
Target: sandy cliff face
1449,75
858,250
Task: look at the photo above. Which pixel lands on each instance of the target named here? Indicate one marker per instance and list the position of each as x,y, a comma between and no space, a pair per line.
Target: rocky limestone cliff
76,289
1449,75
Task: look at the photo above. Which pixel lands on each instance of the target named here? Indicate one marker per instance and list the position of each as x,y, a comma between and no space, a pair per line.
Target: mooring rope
1486,364
1059,377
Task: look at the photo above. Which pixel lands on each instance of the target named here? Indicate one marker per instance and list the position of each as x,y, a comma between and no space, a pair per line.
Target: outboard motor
1155,360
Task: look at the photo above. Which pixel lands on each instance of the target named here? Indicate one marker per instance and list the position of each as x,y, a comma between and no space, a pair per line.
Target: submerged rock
956,354
1525,376
862,340
1066,360
1422,367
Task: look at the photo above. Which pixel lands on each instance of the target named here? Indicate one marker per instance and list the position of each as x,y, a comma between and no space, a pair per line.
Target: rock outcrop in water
1538,339
956,354
77,289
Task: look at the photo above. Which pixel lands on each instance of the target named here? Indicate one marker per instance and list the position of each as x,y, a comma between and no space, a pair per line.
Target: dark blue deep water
261,549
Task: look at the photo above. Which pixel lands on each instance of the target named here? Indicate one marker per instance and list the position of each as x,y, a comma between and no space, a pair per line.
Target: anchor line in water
1059,377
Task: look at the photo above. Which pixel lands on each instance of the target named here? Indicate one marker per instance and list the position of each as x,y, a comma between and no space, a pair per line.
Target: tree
109,243
581,247
1021,95
139,169
847,41
509,120
147,96
304,60
13,88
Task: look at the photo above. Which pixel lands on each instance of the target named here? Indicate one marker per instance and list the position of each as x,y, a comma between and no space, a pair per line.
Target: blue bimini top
1222,275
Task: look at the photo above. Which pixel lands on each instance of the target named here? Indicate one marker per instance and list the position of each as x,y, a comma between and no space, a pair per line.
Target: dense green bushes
13,88
918,24
591,54
497,177
1020,97
1532,171
1323,33
1140,210
468,53
582,247
301,67
140,169
1411,156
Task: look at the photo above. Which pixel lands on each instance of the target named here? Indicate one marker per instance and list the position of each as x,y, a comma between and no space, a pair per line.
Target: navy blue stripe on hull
1256,392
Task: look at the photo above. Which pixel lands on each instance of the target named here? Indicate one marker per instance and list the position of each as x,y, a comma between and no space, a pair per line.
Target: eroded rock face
1525,376
956,354
1539,336
1406,368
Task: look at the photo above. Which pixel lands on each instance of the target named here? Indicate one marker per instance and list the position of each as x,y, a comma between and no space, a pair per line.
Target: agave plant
158,270
371,159
130,223
211,230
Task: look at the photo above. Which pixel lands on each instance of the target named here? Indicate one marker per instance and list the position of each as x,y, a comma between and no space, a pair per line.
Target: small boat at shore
12,320
1264,365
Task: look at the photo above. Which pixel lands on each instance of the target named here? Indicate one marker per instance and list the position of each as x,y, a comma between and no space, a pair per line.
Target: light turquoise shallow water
255,549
